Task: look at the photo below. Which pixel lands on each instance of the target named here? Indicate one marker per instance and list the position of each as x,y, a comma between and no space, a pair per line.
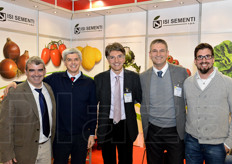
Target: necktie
159,74
117,101
72,78
44,113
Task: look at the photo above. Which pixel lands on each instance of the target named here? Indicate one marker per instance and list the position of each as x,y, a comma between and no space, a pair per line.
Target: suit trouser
117,137
44,153
160,139
74,145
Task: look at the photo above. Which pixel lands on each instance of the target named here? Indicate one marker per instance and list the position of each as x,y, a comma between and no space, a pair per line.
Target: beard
204,70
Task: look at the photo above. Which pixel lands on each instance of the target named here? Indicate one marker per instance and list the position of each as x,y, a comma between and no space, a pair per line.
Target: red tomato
62,47
170,59
188,71
176,62
56,57
53,46
45,55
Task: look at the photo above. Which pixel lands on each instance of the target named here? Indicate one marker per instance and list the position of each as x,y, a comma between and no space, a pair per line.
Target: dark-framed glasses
207,57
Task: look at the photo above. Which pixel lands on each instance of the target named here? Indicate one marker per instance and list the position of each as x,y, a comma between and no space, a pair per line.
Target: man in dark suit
26,131
163,108
117,91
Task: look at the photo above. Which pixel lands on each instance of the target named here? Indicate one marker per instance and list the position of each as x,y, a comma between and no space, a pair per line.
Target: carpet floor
138,153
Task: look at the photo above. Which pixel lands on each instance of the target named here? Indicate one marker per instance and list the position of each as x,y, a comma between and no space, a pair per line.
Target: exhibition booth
89,25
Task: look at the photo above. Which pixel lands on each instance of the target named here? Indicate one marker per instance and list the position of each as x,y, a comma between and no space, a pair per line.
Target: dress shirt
42,137
203,83
112,81
164,69
76,76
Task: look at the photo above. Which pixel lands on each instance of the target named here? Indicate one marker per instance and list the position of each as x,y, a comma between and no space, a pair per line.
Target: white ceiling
119,9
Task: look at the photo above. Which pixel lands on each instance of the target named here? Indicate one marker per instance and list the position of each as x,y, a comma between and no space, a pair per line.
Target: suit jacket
20,126
178,75
103,88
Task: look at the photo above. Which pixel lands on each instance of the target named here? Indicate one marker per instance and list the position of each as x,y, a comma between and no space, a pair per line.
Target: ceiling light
181,2
35,6
88,14
155,6
55,12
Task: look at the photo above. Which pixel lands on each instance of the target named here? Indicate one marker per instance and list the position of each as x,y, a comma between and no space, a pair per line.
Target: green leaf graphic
223,57
1,8
157,17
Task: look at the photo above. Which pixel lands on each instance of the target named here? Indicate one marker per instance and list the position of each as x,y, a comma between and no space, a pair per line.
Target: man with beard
208,96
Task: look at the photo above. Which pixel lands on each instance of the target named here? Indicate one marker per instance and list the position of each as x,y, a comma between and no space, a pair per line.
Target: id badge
127,96
177,91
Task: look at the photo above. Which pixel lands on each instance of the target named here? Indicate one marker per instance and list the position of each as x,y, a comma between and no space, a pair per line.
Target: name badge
128,97
177,91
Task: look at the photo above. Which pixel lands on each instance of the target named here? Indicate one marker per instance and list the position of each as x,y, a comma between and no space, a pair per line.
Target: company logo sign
4,17
158,23
78,29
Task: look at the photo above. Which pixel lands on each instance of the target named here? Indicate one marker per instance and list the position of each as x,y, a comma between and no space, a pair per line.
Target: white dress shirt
164,69
42,137
112,81
76,76
203,83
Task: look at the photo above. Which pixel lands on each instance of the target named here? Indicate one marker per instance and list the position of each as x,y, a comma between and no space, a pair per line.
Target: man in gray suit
163,107
27,119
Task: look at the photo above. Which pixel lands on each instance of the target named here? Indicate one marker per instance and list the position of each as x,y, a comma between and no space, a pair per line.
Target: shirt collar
32,86
164,69
210,76
76,76
113,75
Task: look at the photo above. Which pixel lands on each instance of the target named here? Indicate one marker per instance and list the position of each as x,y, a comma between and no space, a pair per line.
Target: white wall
24,34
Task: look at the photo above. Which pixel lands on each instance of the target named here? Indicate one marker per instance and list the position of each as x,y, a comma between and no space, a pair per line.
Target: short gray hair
159,41
71,51
34,60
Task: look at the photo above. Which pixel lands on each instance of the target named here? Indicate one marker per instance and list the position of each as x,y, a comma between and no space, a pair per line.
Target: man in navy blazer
110,133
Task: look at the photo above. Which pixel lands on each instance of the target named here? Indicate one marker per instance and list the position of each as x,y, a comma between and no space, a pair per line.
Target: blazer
20,126
103,92
178,75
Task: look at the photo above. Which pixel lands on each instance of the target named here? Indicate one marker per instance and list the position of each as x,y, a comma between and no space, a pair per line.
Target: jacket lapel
107,87
126,80
172,74
148,86
30,98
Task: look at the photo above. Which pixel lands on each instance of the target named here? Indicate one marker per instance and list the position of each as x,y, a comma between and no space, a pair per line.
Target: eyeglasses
114,57
207,57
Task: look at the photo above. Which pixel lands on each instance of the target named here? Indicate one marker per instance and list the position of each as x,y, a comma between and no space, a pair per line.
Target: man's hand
227,150
10,161
91,142
6,90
